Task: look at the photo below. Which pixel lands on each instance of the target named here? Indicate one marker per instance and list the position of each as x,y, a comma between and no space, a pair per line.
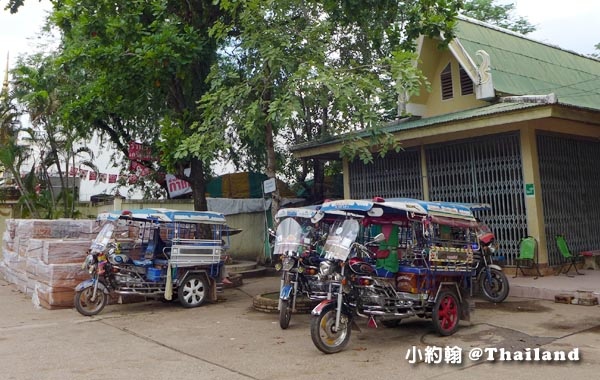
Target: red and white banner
177,187
139,152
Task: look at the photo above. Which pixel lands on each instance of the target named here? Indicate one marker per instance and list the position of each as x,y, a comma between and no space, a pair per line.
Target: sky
573,27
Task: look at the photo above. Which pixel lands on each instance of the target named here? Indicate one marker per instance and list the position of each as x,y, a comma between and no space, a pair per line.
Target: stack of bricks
43,258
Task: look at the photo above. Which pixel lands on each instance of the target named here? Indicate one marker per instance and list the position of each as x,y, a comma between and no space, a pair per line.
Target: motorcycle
432,278
182,267
491,281
296,247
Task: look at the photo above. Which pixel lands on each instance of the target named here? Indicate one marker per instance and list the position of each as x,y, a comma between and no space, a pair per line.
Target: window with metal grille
466,84
446,81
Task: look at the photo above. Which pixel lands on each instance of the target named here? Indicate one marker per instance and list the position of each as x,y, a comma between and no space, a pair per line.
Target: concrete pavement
230,340
547,287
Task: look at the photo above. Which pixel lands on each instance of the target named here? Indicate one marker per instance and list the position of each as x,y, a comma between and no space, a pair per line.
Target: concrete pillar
346,177
118,202
424,178
533,202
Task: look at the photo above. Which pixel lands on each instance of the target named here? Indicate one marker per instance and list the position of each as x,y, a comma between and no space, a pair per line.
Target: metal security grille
396,175
570,182
486,170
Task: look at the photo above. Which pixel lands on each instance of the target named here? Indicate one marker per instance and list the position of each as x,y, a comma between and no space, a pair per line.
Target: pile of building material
580,297
43,258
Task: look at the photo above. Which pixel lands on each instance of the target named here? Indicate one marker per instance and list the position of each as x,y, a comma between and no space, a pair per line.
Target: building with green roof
508,121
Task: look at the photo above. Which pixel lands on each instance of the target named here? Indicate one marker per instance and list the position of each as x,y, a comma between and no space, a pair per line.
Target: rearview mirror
379,237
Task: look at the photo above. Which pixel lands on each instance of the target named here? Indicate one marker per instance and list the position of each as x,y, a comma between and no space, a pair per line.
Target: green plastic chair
528,255
570,258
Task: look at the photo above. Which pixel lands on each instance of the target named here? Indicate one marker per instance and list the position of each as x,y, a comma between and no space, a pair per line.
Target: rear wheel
193,291
446,313
87,306
323,333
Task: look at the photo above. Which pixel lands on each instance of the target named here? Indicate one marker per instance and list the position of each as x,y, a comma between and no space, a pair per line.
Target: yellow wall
433,61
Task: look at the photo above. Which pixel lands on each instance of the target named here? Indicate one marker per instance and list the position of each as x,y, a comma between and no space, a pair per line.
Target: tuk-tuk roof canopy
379,207
296,212
165,215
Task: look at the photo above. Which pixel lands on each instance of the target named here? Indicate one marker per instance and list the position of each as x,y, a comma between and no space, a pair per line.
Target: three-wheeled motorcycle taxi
155,253
297,255
404,258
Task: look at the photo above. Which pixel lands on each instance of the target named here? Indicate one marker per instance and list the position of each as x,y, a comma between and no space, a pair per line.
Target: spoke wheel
84,303
193,291
323,334
446,313
496,288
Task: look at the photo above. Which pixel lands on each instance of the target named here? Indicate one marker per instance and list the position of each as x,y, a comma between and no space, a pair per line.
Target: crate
564,298
192,252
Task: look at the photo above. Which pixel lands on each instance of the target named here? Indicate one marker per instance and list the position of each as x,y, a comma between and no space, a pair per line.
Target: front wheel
323,334
495,286
285,314
193,291
446,313
87,306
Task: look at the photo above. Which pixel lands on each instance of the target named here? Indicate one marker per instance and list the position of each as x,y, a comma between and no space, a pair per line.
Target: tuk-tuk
297,255
403,258
155,253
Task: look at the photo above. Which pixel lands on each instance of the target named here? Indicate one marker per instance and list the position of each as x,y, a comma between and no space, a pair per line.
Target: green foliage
497,14
141,68
314,69
596,55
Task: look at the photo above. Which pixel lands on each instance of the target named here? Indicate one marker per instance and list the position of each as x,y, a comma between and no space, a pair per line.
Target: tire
193,291
496,289
323,337
446,313
285,314
84,304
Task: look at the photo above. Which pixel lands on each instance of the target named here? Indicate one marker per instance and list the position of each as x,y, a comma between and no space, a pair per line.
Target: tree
295,71
497,14
596,55
142,67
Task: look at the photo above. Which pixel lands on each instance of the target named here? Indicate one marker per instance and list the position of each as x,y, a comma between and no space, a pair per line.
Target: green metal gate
483,170
397,175
570,184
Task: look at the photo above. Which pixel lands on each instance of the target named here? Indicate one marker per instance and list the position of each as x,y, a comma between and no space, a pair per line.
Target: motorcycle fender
494,266
325,303
90,283
319,308
285,292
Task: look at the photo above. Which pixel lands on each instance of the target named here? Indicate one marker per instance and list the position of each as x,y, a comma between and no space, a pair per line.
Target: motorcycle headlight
325,268
88,263
288,263
493,248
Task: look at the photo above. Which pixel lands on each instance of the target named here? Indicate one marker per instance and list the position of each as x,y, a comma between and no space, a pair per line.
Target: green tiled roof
521,66
408,124
493,109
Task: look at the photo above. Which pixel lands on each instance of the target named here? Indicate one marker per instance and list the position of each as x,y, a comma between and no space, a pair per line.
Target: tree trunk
197,180
318,190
